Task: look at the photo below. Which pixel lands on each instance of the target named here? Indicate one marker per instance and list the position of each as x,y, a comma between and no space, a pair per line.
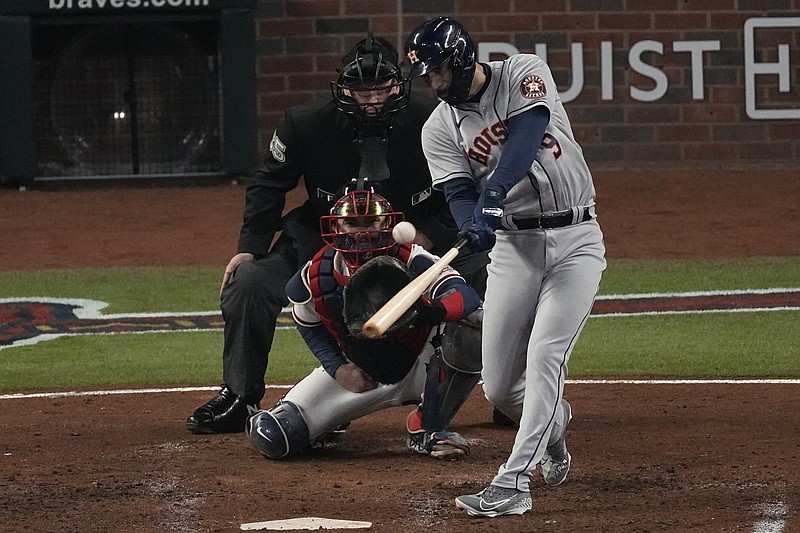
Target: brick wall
626,113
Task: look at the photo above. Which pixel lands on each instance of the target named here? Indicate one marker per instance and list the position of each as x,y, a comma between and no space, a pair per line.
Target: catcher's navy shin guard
453,372
278,431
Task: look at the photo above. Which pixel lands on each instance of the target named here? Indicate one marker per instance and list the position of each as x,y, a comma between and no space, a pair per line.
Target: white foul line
72,394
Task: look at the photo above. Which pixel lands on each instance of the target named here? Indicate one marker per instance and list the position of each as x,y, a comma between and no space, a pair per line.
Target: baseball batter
501,148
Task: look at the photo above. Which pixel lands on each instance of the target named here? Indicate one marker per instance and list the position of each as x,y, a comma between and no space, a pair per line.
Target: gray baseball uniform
542,282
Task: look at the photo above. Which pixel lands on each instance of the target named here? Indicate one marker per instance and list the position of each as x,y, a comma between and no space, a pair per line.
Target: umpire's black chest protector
321,139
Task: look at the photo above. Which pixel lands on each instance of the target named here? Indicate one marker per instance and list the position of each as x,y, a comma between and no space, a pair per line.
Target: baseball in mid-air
404,232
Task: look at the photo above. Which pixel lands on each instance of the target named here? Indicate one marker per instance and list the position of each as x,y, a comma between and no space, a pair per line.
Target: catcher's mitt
372,285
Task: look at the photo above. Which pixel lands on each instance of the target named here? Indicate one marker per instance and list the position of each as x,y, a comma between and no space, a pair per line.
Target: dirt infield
647,458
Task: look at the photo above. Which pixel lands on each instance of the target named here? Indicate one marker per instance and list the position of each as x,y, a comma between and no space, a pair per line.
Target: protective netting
130,98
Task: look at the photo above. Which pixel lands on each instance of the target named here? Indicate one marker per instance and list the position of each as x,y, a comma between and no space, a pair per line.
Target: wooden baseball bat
400,302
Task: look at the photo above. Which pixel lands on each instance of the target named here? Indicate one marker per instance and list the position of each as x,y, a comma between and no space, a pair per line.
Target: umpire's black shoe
224,413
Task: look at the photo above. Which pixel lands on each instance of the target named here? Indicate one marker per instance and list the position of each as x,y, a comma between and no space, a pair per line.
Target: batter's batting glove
489,208
480,237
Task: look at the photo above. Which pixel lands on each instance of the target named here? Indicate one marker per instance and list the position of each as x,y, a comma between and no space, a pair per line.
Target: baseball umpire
434,347
370,128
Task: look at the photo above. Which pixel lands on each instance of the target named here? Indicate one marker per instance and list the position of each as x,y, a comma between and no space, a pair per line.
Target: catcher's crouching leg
453,372
278,431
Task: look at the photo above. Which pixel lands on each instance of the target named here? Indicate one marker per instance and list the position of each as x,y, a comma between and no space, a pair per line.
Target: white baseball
404,232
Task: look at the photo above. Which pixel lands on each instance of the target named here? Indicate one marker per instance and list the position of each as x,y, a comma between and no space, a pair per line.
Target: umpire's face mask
372,100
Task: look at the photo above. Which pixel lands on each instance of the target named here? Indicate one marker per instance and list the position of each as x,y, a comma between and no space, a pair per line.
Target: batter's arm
440,143
462,197
518,151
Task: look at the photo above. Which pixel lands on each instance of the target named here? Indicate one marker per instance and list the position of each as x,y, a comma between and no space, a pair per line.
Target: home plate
306,522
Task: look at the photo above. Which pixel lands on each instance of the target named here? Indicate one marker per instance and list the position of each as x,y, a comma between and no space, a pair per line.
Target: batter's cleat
495,501
443,445
557,460
224,413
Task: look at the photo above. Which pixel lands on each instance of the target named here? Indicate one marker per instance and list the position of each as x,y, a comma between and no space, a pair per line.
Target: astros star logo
533,87
412,55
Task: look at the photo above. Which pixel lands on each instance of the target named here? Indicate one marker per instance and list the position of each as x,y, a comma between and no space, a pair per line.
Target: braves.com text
118,4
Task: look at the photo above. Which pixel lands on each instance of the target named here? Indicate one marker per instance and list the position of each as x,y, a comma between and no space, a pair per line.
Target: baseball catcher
430,357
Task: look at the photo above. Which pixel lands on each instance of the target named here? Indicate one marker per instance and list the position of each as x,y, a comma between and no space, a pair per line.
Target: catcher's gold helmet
360,227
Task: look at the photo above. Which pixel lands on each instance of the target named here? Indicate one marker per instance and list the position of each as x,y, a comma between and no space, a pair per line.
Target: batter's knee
490,393
500,397
278,431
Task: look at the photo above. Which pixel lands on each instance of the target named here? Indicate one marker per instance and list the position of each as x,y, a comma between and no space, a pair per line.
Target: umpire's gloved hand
480,237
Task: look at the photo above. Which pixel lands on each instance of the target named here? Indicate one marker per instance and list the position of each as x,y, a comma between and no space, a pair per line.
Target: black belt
559,219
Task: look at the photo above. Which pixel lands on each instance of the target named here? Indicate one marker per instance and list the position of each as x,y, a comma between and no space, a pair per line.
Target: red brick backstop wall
674,83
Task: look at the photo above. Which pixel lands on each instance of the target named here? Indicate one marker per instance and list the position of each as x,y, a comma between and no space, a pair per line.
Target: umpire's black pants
253,299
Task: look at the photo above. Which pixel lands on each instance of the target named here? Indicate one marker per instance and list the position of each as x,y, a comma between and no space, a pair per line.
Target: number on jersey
551,143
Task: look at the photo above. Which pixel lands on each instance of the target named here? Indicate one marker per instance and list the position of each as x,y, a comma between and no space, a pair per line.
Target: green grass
153,359
763,344
628,276
700,345
126,290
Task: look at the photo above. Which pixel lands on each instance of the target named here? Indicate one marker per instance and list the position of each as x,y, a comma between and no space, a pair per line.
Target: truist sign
697,49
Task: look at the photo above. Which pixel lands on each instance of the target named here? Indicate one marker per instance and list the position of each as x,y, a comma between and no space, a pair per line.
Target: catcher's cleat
495,501
447,445
443,445
224,413
557,460
339,431
335,435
